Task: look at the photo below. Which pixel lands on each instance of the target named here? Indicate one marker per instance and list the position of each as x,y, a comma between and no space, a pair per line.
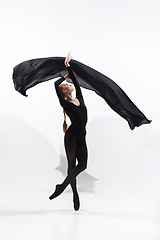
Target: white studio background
118,38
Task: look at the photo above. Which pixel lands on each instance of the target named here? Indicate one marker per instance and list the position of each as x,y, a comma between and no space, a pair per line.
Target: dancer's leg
81,154
70,147
76,200
82,162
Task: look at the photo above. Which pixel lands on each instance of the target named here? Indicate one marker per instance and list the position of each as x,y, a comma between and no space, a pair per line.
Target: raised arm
75,82
73,77
59,92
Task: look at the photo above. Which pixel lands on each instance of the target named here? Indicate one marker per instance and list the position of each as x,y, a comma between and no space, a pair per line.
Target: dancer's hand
67,76
67,60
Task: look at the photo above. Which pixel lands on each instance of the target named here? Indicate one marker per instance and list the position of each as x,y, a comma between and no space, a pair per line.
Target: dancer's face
67,88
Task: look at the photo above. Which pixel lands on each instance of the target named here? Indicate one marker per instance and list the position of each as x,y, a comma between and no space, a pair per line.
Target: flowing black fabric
29,73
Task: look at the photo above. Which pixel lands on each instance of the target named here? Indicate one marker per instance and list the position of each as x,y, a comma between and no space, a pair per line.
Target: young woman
75,144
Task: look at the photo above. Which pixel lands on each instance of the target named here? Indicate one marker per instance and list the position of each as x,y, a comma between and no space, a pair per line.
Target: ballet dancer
75,134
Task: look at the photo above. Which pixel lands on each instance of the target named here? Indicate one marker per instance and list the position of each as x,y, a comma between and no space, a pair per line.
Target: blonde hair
65,126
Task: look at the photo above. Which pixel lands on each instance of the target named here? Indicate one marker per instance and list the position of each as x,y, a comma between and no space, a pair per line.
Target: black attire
75,144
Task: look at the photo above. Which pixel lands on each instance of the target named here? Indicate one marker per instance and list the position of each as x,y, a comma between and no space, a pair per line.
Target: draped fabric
32,72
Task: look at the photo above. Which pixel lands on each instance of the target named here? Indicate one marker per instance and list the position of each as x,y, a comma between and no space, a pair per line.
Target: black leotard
77,114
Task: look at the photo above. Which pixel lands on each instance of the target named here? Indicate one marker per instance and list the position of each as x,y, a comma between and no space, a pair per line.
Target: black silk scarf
29,73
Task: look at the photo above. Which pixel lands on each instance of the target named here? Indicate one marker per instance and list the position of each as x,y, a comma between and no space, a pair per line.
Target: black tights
75,149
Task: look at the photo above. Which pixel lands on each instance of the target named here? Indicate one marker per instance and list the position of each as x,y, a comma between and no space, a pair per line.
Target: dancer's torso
77,114
78,117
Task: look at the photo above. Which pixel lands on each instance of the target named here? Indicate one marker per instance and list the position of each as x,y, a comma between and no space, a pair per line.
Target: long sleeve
75,82
59,92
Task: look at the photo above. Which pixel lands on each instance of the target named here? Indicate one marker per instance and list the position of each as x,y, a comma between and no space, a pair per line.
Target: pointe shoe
57,192
76,202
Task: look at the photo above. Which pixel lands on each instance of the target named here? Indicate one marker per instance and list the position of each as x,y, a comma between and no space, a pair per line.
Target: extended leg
81,154
76,200
70,147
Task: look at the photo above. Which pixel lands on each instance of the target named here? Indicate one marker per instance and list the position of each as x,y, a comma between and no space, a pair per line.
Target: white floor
103,215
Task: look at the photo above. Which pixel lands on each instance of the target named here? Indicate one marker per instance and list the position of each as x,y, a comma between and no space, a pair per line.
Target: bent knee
82,167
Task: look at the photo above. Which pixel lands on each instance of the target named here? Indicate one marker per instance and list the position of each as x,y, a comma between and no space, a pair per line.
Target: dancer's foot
76,202
57,192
